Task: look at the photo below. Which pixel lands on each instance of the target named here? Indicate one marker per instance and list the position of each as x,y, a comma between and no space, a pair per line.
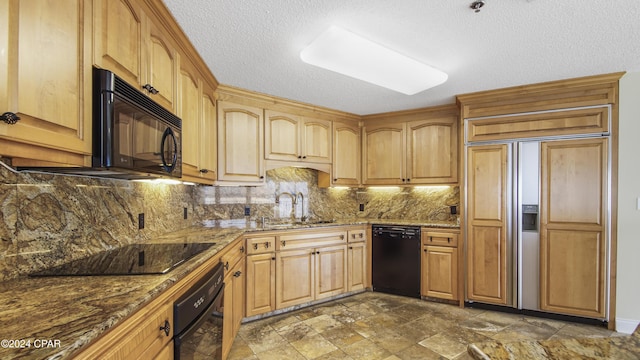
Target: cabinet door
295,274
487,224
189,112
45,77
282,136
208,166
161,67
118,46
240,143
440,272
432,151
233,303
331,271
346,154
357,266
383,154
261,283
316,141
572,227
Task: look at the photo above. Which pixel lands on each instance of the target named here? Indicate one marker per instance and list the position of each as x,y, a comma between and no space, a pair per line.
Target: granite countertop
617,347
72,311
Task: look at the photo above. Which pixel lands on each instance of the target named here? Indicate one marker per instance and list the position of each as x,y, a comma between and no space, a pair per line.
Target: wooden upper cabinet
383,151
161,67
296,138
208,165
282,134
45,79
432,151
118,44
129,43
346,154
189,112
240,143
410,153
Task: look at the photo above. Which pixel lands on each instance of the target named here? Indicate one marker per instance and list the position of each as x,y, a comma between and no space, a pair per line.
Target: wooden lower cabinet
140,337
331,271
233,305
439,263
440,272
295,276
356,266
261,283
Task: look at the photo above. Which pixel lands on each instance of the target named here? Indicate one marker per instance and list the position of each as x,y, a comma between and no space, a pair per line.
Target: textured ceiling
255,44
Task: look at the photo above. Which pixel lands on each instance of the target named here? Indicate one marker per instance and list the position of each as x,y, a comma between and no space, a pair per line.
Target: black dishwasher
396,259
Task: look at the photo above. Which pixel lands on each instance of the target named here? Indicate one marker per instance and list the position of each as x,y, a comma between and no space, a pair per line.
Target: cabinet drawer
301,240
440,238
233,255
260,245
357,235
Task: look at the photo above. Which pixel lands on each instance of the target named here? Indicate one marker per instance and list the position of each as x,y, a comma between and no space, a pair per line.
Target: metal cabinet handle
273,258
361,235
150,89
9,118
299,156
242,249
341,237
261,177
431,238
266,244
226,266
284,243
351,247
204,171
237,274
255,246
448,239
408,180
166,327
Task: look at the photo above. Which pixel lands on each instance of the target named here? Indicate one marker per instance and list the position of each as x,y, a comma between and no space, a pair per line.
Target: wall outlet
141,221
453,209
361,207
185,213
247,211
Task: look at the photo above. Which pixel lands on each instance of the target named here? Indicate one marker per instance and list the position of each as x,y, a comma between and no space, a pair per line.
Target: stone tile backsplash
49,219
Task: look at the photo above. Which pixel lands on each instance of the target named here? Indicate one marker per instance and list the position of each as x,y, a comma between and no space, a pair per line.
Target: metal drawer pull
341,237
237,273
226,266
242,249
448,240
361,235
266,244
166,327
284,243
255,246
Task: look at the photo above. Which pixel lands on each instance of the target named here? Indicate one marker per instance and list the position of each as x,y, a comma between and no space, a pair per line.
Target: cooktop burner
133,259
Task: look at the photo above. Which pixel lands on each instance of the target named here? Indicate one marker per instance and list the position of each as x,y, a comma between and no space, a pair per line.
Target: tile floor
380,326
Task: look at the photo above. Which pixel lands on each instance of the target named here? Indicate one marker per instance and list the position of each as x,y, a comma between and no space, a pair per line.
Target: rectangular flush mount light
346,53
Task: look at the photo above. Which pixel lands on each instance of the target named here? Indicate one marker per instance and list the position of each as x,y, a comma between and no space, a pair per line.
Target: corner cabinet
297,138
240,143
417,152
45,80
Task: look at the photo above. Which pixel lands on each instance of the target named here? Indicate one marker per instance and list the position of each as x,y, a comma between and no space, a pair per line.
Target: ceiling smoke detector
477,5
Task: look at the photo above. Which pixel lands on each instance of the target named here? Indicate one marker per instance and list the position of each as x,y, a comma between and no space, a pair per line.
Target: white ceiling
255,44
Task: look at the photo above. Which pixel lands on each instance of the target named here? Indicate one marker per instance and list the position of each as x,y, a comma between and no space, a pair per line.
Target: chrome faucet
302,217
294,200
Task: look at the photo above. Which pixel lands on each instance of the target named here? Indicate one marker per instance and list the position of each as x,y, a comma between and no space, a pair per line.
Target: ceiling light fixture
346,53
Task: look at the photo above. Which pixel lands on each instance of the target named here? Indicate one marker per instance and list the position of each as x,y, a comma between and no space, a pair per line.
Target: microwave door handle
174,155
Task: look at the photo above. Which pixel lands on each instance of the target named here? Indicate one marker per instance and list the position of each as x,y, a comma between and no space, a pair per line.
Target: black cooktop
133,259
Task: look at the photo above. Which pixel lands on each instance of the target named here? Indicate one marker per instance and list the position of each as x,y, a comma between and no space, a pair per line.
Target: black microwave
132,134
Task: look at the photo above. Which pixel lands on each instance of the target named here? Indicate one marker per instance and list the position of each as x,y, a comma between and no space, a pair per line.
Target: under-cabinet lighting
432,187
160,181
340,187
384,188
349,54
